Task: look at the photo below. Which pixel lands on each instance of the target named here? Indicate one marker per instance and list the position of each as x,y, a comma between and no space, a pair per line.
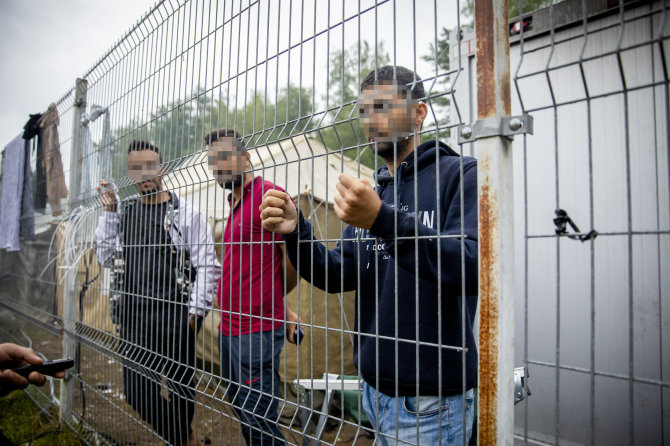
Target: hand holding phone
293,332
46,368
20,366
298,335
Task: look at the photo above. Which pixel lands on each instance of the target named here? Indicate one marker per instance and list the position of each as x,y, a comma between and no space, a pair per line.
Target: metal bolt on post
515,124
466,132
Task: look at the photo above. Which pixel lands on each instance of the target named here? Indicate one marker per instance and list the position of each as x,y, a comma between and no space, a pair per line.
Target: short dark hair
396,75
218,134
137,145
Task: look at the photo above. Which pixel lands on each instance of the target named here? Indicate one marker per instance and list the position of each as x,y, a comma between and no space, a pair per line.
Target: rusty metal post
496,229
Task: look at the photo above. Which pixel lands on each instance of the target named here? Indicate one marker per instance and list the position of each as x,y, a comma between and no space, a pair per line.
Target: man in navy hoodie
410,253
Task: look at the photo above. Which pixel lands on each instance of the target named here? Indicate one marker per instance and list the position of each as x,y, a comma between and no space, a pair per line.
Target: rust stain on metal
493,76
493,100
485,60
502,65
488,323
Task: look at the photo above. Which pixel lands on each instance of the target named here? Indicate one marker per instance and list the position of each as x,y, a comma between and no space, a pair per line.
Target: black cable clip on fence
563,219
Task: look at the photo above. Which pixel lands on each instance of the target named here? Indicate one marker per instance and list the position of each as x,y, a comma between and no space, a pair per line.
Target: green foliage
440,58
178,129
526,6
23,423
347,135
439,101
347,69
344,130
293,112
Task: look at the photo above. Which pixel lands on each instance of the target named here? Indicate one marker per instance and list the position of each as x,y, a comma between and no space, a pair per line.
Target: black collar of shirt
246,192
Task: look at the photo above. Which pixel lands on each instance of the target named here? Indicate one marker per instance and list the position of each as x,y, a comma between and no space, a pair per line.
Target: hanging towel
27,219
13,160
51,161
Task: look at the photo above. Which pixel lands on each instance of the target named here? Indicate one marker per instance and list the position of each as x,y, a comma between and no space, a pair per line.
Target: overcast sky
45,45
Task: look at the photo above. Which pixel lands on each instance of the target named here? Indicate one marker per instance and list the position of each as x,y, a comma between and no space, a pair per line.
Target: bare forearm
291,276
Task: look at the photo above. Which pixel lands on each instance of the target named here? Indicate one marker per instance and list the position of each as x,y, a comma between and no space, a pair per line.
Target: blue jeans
425,420
250,365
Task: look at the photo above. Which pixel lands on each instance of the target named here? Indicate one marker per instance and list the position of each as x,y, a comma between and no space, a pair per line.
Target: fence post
79,108
496,229
70,291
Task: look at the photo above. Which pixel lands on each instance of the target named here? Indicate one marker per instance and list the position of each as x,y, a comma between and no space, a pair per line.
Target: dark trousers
250,366
158,367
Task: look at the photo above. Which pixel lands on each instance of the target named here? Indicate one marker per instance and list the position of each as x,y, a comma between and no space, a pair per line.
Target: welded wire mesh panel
180,293
592,311
30,277
218,188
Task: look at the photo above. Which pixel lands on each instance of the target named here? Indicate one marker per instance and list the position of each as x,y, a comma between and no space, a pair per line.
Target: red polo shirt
251,290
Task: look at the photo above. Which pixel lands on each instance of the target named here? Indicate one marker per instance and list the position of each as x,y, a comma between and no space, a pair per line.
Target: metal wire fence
597,83
177,300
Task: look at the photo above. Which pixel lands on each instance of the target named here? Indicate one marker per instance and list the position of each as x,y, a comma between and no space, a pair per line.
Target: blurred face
227,161
144,169
387,117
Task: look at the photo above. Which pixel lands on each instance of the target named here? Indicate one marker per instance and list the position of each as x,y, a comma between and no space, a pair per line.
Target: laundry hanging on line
13,159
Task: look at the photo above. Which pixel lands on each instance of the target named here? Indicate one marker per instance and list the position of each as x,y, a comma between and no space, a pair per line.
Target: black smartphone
46,368
298,335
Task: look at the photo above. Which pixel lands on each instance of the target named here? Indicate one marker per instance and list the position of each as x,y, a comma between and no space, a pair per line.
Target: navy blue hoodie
383,270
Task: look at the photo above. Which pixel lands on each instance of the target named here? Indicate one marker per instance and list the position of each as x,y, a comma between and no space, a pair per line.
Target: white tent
300,165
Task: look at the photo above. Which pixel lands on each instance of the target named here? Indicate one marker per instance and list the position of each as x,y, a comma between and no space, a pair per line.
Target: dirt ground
100,402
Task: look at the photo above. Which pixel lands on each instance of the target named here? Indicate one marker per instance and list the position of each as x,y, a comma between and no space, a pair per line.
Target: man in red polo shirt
251,293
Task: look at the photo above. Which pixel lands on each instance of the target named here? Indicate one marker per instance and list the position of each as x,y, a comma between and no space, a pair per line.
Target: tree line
178,128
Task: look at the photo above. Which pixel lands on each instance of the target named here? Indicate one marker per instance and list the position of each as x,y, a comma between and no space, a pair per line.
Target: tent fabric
299,165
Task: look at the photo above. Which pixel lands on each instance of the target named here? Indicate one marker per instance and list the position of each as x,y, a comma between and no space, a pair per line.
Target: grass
24,424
